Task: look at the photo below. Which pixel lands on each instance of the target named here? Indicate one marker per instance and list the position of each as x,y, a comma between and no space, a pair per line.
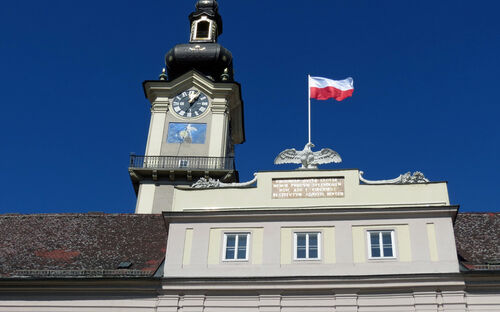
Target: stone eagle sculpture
306,157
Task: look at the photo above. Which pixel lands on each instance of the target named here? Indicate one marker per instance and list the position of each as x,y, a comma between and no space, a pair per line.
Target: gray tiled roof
478,238
81,245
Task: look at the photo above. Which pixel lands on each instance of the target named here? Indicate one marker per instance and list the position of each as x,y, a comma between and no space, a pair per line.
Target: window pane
301,240
301,246
313,240
313,253
229,253
386,238
374,238
375,244
230,246
301,252
387,244
231,241
313,246
242,253
242,246
242,241
388,251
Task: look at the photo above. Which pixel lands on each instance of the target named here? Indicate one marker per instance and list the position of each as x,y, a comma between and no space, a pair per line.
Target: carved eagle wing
288,156
325,156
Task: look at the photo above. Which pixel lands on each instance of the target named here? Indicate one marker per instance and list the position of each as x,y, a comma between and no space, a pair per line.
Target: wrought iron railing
182,162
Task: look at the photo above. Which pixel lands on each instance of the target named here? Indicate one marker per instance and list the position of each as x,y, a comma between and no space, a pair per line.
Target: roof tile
86,245
477,237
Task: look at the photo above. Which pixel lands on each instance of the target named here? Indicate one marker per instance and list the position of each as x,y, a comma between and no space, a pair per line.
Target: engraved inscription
308,188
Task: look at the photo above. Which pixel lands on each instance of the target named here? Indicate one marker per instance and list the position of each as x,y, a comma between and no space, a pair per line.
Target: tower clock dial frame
190,104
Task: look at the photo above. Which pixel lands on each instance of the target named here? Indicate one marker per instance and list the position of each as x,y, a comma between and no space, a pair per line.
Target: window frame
307,258
194,30
247,247
198,30
381,245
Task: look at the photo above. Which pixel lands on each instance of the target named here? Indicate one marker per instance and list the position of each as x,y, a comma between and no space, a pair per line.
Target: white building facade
369,248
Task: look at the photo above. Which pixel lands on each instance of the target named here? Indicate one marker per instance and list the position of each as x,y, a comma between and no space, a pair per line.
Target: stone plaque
308,188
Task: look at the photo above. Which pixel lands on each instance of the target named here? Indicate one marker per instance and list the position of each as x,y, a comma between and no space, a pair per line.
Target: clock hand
188,108
193,97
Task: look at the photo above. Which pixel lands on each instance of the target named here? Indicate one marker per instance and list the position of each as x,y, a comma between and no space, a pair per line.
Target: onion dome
202,53
211,59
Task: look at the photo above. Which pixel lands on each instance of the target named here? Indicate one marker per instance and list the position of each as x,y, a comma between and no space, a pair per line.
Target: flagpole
309,105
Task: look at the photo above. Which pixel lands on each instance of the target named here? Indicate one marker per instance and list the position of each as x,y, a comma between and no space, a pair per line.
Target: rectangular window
381,244
236,246
307,246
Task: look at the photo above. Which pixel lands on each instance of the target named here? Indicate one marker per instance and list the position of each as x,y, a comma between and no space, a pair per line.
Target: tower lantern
206,22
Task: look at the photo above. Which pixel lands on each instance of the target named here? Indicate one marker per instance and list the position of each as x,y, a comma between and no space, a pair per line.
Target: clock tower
196,116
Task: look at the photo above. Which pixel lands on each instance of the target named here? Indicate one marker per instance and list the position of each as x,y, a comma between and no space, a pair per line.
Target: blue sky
425,74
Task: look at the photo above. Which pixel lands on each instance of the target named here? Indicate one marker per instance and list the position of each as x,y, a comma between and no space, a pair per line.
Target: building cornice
311,214
320,282
482,279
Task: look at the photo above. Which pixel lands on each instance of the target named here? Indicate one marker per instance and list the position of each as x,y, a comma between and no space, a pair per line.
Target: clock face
190,103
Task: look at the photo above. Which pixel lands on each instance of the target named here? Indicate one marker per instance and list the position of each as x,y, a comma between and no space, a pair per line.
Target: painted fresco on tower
191,133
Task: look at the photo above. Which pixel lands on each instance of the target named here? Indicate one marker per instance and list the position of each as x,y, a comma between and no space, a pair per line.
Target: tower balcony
180,168
182,163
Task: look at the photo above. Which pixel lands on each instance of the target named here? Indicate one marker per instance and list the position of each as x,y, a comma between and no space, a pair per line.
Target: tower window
203,30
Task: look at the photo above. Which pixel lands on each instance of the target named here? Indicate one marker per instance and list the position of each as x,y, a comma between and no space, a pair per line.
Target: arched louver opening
203,30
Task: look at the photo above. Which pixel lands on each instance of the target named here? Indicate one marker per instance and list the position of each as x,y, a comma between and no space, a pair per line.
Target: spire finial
163,75
207,4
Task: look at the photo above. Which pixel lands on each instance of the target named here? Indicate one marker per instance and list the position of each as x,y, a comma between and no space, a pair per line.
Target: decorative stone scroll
204,183
407,178
328,187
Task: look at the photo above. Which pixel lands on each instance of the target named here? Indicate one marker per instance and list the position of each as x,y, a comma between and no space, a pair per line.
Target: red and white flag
323,88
